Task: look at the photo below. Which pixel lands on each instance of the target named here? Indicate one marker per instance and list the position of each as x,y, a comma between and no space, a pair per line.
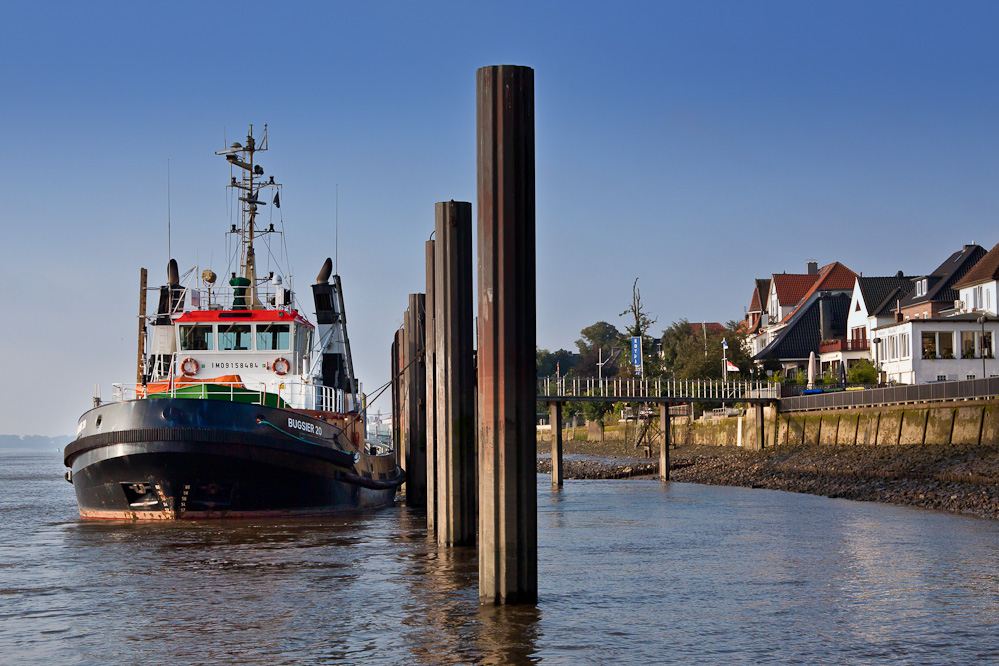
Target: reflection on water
630,572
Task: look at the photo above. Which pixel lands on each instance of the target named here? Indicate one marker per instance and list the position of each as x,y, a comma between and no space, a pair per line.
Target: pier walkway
659,391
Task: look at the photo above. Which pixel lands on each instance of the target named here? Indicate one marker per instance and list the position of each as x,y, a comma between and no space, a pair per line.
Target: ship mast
242,156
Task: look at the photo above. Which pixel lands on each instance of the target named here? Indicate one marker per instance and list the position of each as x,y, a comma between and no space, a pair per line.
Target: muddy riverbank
960,479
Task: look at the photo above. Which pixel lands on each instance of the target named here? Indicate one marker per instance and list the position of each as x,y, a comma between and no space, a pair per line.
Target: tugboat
239,409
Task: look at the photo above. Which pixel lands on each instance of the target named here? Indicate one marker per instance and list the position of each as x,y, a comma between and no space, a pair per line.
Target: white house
918,351
870,307
977,288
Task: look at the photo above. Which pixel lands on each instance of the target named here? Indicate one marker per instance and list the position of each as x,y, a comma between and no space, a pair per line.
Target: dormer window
921,287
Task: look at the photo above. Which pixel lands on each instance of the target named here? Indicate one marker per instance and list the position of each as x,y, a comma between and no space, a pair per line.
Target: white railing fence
693,389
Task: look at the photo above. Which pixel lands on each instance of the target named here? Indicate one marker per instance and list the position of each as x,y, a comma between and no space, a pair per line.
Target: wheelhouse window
235,337
196,337
273,337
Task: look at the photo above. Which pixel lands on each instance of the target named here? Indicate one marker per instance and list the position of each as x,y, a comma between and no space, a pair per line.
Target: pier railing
655,390
968,389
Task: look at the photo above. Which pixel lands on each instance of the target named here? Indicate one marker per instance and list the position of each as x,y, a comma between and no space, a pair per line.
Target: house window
941,378
945,343
938,344
985,345
929,345
968,344
904,343
970,377
919,288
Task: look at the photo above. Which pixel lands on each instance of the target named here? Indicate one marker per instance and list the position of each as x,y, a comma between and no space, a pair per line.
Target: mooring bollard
664,424
508,521
398,428
415,381
760,431
455,383
555,409
430,348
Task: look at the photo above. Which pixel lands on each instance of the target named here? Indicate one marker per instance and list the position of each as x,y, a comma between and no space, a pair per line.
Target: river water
630,572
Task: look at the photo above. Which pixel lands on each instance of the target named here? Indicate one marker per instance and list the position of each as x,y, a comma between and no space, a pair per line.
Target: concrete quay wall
960,423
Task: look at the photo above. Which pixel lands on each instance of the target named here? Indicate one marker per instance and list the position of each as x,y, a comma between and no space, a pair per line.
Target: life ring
189,367
281,366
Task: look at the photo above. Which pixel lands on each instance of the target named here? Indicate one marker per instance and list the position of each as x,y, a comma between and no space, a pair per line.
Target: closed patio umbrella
811,370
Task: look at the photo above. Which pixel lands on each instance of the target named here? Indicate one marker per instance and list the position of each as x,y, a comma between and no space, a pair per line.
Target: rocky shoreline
948,478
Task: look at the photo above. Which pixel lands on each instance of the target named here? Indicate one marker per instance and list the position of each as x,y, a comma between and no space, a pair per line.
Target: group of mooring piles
464,413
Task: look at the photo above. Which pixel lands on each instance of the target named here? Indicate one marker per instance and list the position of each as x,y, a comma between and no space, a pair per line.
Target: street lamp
981,343
877,366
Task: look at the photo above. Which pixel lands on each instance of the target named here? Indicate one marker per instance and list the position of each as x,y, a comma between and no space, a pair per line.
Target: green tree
862,372
596,410
596,341
598,335
550,362
770,363
696,351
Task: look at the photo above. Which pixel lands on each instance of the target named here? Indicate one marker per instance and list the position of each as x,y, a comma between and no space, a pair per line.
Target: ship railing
377,448
123,392
223,298
297,395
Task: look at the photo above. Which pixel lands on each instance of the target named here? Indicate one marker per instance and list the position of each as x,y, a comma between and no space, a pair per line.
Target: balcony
844,345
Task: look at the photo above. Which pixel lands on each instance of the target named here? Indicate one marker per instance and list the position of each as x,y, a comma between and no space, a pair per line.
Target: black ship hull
176,458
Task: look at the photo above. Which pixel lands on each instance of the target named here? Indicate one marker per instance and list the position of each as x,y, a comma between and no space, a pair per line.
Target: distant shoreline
37,443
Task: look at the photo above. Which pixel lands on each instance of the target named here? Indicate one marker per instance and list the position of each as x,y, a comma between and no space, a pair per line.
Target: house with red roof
773,299
797,328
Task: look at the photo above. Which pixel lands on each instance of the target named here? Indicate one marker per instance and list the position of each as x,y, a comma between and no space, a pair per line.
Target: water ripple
630,572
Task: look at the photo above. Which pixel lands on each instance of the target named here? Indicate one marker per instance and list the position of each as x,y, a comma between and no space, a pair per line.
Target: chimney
812,267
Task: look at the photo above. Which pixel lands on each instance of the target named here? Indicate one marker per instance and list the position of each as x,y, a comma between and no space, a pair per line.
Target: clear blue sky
695,145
